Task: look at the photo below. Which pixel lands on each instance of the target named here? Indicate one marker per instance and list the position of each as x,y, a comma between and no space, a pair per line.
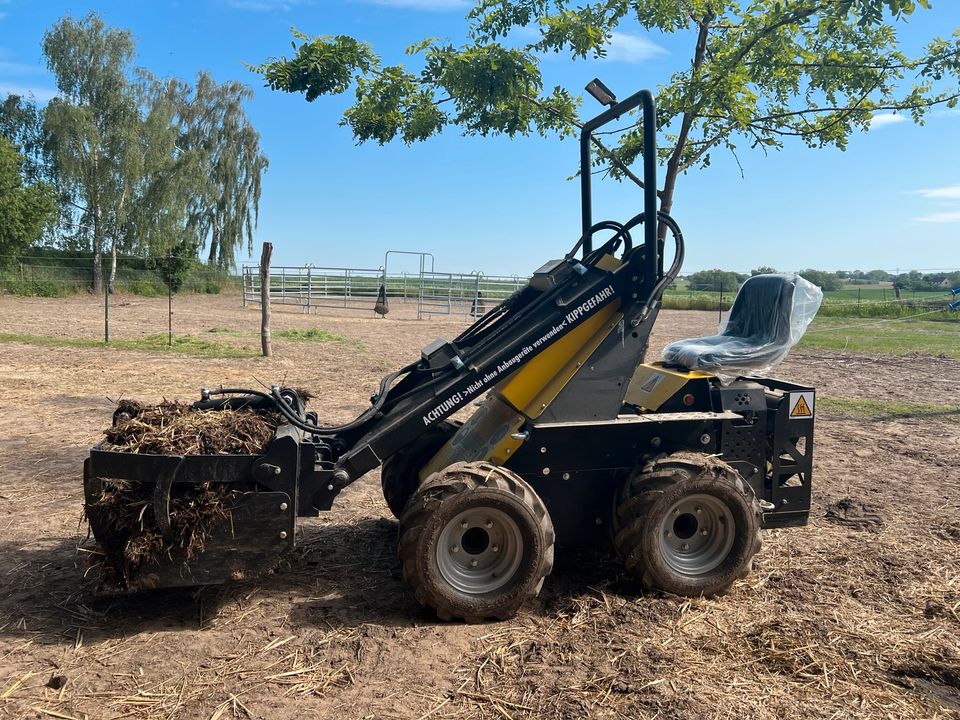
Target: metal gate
309,287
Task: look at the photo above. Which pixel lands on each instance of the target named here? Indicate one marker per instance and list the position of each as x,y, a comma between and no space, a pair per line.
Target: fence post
476,298
106,313
309,289
265,299
420,293
720,304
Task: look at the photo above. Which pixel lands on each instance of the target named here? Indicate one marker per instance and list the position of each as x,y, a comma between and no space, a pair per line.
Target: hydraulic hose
281,404
603,225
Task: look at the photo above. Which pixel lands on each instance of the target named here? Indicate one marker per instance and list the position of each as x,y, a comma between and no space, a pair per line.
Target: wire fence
59,275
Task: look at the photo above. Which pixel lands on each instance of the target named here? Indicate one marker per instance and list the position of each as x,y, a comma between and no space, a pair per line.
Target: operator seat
768,317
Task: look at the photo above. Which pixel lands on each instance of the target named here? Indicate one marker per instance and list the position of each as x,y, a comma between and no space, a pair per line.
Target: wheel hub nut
495,548
474,563
455,549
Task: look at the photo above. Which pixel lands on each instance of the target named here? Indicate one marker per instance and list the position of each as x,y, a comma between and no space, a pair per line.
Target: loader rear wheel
475,542
688,525
399,474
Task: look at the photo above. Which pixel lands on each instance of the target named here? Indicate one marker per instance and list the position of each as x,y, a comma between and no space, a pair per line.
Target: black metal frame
261,525
653,264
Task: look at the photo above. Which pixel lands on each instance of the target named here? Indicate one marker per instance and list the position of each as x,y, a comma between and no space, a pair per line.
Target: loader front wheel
688,525
475,542
400,473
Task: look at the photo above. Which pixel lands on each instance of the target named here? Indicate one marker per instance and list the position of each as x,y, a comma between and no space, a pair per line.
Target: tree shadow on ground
340,574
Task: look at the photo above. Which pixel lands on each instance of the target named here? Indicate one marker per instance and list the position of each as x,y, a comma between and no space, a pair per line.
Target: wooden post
265,298
169,299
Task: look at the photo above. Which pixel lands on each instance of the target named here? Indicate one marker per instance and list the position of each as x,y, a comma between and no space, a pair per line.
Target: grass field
885,337
158,342
888,409
876,300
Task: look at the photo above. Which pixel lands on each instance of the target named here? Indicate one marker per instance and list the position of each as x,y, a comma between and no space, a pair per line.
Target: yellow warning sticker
801,405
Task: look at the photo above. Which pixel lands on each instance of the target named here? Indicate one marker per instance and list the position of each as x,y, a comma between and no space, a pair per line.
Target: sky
504,207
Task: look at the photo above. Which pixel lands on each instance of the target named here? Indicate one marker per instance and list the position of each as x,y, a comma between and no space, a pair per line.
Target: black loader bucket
181,520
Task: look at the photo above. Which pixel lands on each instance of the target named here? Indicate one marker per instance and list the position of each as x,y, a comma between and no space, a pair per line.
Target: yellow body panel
489,433
653,384
535,385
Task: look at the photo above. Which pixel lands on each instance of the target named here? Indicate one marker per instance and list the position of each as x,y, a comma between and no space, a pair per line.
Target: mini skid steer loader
576,440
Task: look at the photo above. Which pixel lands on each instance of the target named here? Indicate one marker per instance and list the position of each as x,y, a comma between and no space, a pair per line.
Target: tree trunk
115,240
214,247
666,196
97,271
113,262
666,205
265,299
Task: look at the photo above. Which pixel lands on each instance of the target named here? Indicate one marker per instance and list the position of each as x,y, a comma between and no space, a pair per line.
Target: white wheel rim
479,550
696,534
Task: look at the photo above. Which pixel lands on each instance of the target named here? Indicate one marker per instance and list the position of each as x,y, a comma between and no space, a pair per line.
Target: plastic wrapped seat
769,316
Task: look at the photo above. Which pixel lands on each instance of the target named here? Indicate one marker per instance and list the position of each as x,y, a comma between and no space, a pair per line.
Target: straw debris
173,428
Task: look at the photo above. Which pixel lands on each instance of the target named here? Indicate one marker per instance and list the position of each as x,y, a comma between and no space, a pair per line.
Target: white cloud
881,119
629,48
949,216
950,192
41,94
421,4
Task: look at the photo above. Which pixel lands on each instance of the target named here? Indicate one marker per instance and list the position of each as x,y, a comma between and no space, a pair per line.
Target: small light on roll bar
601,92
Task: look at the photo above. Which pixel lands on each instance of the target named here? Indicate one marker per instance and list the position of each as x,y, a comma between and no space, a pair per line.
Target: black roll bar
651,261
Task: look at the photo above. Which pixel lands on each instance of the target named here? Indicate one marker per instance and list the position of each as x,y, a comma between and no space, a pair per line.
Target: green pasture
158,342
886,337
853,301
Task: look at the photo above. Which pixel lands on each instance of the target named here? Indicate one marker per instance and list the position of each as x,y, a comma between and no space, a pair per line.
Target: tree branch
843,108
689,115
789,20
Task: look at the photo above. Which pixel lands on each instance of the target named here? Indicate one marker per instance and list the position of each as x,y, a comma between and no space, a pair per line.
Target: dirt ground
857,615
